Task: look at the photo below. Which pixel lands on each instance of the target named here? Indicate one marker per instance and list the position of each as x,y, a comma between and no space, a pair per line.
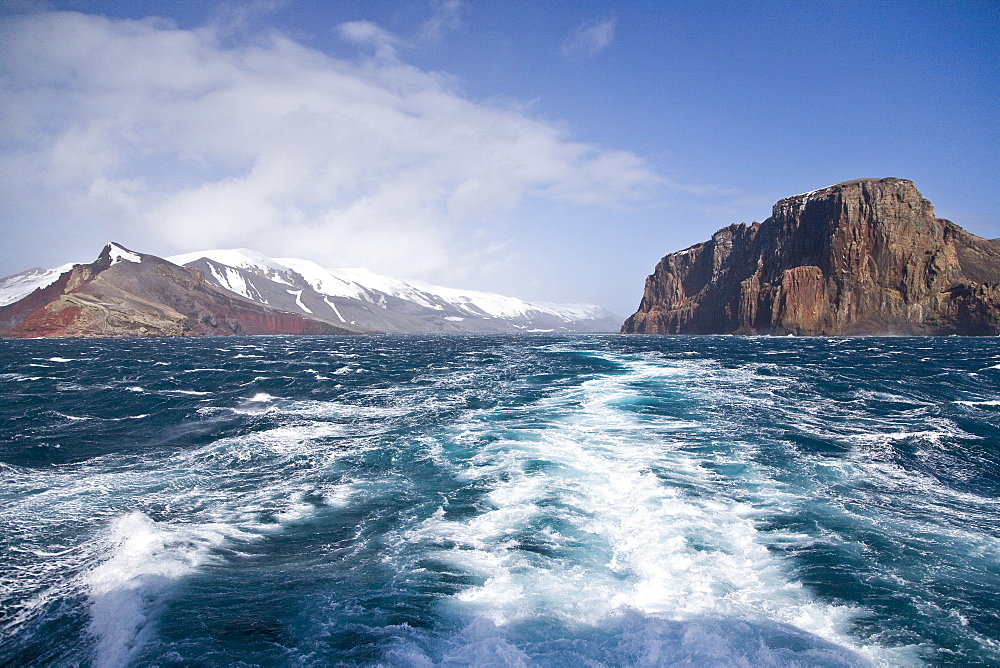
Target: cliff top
852,182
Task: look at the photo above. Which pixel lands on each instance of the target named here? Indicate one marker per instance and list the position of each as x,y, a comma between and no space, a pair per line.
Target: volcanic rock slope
864,257
128,294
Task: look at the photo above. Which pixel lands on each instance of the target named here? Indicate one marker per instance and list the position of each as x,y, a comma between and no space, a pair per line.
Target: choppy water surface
500,500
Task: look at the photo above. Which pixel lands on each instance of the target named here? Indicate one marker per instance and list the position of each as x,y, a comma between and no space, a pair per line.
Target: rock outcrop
127,294
864,257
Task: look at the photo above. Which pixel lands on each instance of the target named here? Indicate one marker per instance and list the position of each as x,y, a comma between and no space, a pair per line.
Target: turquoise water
500,500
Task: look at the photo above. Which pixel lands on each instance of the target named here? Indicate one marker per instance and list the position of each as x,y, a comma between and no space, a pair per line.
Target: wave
231,492
144,558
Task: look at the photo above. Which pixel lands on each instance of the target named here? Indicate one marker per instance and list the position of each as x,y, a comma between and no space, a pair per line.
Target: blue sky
548,150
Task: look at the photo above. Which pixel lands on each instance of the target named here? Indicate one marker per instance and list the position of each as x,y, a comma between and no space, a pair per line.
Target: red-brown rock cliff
865,257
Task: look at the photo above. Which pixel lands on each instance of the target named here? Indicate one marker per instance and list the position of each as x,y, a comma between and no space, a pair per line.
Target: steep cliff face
861,257
126,294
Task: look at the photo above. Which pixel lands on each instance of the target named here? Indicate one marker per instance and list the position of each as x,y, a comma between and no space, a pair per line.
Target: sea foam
596,536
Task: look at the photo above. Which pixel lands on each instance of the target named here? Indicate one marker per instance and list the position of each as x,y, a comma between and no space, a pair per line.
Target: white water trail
624,520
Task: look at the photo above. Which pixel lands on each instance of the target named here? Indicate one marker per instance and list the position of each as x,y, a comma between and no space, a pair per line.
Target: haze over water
500,500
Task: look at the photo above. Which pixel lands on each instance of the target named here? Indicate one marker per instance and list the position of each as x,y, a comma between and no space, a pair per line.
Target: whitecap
17,377
143,558
74,418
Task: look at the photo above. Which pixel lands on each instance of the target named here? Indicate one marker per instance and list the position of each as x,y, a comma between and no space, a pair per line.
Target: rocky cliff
865,257
127,294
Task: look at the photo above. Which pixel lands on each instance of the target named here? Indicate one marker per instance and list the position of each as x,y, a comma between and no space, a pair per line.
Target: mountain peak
115,252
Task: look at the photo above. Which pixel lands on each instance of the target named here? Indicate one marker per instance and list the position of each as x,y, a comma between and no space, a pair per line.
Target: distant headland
863,257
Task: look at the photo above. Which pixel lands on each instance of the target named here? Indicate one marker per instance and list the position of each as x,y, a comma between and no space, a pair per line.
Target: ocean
500,500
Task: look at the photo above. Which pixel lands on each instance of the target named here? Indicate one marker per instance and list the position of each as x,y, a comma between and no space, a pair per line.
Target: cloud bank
179,137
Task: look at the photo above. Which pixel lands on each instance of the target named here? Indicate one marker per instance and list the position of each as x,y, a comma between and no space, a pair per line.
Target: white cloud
447,17
141,127
370,34
589,39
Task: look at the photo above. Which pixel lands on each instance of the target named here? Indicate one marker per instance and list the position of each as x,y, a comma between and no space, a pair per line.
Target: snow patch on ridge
231,279
119,254
335,310
325,281
238,258
298,300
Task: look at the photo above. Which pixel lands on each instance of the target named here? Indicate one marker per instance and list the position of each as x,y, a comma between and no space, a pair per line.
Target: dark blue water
500,500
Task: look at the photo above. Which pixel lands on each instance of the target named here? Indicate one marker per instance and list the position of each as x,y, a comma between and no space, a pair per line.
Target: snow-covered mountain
361,298
13,288
358,298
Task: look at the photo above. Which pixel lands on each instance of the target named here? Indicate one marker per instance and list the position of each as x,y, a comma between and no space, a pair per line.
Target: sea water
500,501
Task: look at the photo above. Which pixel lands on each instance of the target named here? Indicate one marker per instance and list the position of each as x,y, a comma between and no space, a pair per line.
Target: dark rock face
118,297
864,257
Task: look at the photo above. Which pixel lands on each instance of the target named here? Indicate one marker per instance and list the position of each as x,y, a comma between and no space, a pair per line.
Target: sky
547,150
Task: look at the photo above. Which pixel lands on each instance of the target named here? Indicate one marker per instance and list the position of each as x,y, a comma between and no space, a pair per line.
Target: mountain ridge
369,300
294,294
